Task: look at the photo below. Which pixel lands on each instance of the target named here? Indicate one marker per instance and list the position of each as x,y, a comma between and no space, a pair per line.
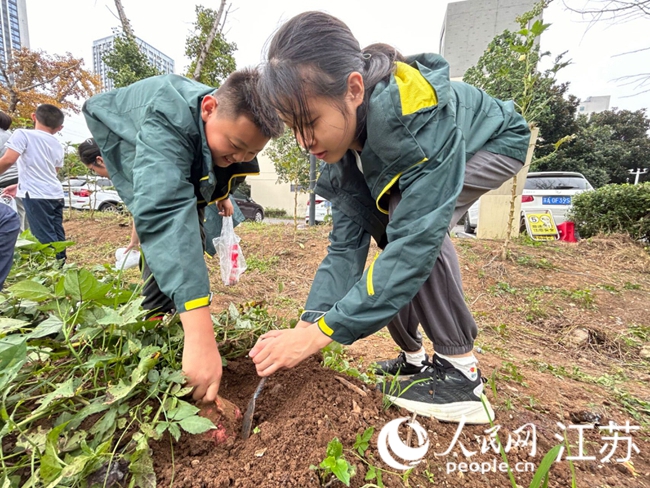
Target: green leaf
10,325
141,468
363,441
183,411
51,465
545,466
341,471
196,425
78,283
175,431
63,390
30,290
51,325
371,474
334,448
328,463
13,354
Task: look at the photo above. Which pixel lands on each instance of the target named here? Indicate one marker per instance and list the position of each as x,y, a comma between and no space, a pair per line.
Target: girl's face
333,124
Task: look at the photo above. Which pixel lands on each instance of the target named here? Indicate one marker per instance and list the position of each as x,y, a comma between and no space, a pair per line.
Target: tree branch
50,80
208,42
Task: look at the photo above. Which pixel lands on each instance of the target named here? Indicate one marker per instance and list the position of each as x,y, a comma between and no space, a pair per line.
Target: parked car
547,190
323,209
251,209
98,193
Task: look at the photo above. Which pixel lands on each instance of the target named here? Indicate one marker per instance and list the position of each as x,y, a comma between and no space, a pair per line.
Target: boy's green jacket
152,139
421,128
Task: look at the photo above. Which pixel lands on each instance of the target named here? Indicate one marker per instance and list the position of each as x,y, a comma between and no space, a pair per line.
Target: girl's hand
225,208
286,348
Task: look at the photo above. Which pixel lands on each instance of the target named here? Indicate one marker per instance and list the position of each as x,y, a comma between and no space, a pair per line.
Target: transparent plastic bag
231,259
126,260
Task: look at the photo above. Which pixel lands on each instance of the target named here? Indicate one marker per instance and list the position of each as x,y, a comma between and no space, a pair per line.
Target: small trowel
250,410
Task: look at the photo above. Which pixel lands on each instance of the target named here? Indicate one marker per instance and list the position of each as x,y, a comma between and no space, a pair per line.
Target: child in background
39,156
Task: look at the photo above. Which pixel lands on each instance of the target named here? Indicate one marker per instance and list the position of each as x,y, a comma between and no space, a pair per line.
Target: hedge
613,209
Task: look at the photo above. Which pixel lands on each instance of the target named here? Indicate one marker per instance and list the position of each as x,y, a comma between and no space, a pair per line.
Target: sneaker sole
474,412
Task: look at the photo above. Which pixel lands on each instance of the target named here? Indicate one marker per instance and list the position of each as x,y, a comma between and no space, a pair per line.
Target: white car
548,190
91,192
323,210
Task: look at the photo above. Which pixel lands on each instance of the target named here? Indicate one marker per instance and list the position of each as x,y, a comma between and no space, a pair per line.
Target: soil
563,338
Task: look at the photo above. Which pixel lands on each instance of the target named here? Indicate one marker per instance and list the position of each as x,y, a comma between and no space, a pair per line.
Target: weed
509,371
335,464
529,261
631,286
581,297
503,287
336,358
260,264
609,288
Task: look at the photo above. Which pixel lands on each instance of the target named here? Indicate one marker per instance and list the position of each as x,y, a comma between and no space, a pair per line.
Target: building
592,105
13,27
164,63
470,25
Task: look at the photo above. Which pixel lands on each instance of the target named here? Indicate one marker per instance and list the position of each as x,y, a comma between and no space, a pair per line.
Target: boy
171,147
39,156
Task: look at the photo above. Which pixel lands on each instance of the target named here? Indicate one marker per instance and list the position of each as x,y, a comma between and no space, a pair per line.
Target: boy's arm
8,159
166,217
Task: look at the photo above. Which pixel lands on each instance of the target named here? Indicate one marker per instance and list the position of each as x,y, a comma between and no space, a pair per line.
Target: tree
35,77
607,145
126,62
291,164
615,11
211,55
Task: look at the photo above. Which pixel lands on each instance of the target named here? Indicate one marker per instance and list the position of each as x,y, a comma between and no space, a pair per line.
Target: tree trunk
295,209
126,25
208,42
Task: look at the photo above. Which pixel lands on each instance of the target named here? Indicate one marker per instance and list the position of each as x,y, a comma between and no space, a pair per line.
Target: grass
263,265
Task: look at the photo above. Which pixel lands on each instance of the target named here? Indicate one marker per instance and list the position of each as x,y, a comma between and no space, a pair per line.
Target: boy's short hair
88,151
239,95
49,115
5,121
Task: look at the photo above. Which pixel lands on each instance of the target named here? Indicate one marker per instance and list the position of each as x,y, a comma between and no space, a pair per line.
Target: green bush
277,213
613,209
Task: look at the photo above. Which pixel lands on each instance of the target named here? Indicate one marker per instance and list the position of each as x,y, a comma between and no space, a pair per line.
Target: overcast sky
411,25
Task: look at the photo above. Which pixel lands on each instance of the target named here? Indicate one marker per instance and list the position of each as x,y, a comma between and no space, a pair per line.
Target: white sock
415,358
466,365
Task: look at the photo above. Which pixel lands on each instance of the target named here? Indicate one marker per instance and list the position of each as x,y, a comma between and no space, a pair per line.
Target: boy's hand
135,240
225,208
286,348
11,190
201,358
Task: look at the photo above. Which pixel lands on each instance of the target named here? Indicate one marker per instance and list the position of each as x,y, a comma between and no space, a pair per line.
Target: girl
407,152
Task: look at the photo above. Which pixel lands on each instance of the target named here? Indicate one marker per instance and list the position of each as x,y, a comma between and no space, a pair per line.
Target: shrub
275,212
613,209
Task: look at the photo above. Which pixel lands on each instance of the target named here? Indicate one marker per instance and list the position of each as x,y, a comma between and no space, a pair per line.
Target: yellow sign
541,226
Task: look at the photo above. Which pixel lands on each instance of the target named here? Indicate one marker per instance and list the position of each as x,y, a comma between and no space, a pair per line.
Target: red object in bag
567,231
234,259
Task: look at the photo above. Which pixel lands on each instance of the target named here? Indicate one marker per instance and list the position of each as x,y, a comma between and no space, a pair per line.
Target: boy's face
230,140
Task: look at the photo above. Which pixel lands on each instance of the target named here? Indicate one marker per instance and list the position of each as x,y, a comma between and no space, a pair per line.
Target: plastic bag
126,260
231,259
7,200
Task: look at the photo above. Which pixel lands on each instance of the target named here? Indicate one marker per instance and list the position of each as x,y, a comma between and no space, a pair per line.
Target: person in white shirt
39,156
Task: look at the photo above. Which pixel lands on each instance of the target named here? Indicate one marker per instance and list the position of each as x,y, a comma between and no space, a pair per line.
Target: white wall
267,192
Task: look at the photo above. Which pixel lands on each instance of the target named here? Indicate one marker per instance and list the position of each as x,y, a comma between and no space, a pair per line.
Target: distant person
9,230
173,146
39,156
408,151
10,177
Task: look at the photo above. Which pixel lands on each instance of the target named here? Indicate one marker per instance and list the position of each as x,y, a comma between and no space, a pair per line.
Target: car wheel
109,207
259,216
467,227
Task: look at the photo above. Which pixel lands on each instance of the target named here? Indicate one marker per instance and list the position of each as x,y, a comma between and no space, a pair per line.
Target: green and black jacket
421,128
152,139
